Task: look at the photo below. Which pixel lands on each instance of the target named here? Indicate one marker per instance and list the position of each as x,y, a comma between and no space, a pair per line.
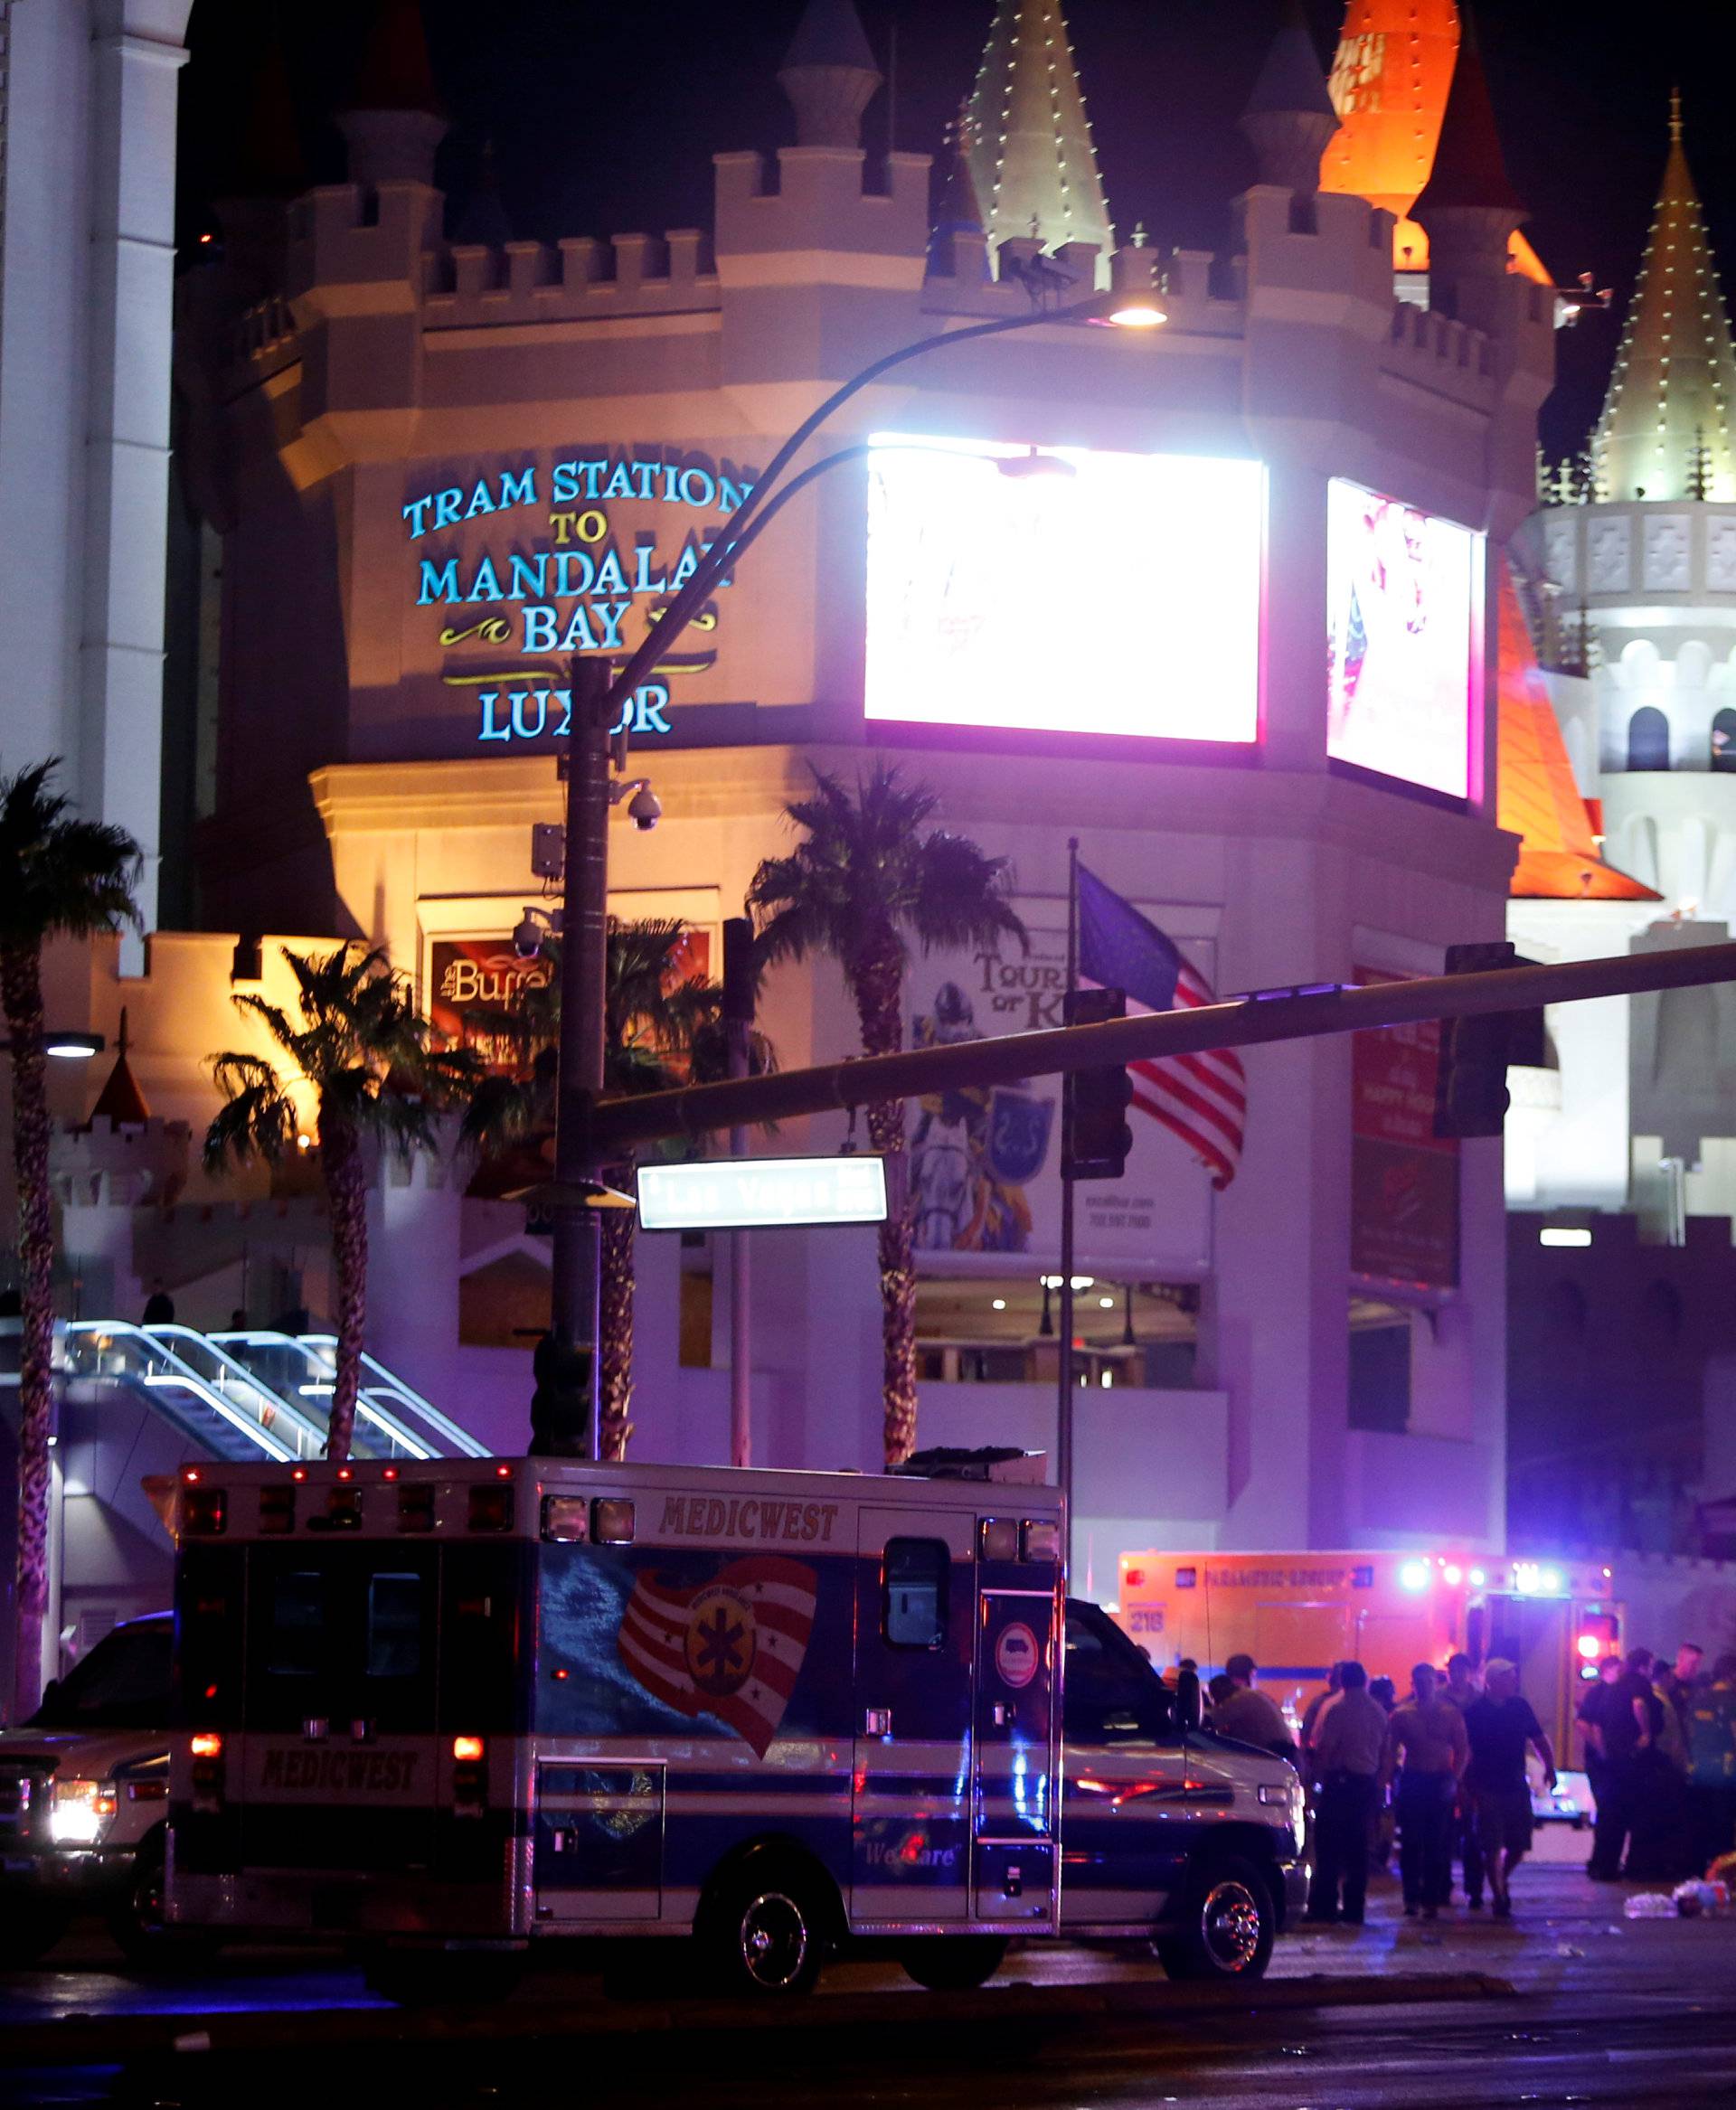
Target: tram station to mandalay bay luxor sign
1218,598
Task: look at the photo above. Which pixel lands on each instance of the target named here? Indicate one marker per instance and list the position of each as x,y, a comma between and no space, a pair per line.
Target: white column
135,54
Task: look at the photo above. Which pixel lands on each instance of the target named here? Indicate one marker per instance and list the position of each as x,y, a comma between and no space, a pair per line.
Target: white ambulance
452,1708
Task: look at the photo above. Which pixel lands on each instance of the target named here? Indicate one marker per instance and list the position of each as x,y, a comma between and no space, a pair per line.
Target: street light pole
576,1262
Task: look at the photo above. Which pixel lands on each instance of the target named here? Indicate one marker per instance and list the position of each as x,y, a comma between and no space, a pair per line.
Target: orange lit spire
1539,801
1389,84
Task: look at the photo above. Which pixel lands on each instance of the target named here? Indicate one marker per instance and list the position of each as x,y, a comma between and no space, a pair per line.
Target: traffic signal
1095,1136
561,1405
1471,1081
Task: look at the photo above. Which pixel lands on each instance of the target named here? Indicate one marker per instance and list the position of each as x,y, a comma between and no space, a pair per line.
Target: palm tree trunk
877,983
21,990
347,1191
615,1324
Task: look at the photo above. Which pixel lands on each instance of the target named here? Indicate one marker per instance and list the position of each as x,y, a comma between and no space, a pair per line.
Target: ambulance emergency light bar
752,1194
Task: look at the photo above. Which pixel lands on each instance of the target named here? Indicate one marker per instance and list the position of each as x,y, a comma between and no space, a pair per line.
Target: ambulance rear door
339,1764
911,1781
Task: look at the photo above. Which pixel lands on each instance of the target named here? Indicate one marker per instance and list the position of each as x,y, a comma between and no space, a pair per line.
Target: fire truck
456,1708
1298,1614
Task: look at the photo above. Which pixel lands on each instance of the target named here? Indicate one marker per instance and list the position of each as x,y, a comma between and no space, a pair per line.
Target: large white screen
1399,632
1123,599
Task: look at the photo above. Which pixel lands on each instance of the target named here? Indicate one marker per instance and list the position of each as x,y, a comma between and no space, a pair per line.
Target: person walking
1250,1716
1349,1744
1498,1724
1630,1718
1711,1764
1462,1691
1425,1743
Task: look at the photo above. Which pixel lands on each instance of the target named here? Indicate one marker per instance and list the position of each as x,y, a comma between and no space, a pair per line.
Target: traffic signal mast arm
1245,1022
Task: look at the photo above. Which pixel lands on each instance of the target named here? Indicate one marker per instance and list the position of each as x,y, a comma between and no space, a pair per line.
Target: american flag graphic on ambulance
732,1647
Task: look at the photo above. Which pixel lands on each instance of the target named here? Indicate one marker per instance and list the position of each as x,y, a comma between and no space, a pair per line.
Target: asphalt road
1569,2004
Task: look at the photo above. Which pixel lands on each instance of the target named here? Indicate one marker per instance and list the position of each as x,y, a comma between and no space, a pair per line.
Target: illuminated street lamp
70,1047
600,717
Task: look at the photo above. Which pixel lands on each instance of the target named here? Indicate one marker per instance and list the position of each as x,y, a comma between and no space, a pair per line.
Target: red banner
1404,1179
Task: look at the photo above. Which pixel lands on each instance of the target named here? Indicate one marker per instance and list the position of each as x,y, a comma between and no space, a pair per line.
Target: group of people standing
1453,1757
1660,1754
1450,1758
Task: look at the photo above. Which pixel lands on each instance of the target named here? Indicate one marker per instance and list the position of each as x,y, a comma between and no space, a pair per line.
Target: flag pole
1064,1360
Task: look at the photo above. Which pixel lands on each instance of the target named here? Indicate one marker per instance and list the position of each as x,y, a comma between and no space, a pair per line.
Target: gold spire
1665,430
1031,153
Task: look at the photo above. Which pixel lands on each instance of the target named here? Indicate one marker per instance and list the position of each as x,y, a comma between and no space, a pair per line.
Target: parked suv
84,1797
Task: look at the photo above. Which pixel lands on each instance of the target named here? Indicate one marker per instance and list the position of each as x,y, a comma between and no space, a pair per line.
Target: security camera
645,808
527,936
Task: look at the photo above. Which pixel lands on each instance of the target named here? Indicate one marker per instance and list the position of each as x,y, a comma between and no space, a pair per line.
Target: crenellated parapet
576,280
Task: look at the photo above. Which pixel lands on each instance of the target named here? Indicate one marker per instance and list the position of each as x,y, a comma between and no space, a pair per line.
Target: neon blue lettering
693,480
539,630
563,483
439,582
610,577
413,513
648,706
446,507
645,471
517,490
577,636
619,483
528,574
481,500
488,698
609,614
643,558
564,586
486,586
563,697
520,697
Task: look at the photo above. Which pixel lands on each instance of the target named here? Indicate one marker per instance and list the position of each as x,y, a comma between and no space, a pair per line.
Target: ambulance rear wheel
953,1962
766,1932
1227,1926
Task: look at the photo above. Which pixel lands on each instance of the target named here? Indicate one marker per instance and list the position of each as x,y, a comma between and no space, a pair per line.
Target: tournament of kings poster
984,1162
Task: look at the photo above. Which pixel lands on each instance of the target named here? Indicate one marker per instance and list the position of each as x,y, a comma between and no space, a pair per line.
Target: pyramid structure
1665,430
1391,77
1538,799
1032,159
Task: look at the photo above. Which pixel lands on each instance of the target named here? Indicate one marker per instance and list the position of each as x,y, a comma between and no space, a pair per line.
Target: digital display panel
1071,590
1399,586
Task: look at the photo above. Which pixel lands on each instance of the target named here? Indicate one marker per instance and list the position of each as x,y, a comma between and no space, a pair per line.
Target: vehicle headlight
80,1811
1290,1796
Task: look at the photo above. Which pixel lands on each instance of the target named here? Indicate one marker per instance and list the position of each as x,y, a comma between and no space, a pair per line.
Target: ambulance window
394,1625
297,1625
913,1612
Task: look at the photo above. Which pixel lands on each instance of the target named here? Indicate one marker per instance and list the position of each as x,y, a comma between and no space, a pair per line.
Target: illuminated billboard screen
1399,586
1075,591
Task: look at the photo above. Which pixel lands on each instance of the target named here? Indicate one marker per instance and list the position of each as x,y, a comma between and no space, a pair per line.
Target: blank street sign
746,1193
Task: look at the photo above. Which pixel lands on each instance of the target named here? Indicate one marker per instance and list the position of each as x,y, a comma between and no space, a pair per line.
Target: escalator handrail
464,1445
314,1348
295,1415
189,1379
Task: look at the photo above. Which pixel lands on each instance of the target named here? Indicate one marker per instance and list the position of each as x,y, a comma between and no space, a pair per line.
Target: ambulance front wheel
953,1962
1227,1925
766,1930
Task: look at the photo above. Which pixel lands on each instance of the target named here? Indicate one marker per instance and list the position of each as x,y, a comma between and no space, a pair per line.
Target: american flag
732,1647
1202,1099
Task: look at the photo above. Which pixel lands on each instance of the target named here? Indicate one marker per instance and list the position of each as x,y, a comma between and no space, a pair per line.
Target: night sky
602,117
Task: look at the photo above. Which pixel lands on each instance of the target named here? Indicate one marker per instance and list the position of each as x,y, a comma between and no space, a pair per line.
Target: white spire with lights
1030,153
1665,432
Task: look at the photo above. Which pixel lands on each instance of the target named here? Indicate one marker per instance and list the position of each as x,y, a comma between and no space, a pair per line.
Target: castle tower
1390,82
1289,118
1030,151
393,121
829,75
1665,430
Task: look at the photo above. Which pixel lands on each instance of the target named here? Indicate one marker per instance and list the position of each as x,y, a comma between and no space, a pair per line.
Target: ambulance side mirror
1190,1708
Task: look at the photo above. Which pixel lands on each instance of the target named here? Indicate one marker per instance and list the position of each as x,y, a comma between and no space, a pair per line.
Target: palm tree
363,1053
57,874
861,885
659,1023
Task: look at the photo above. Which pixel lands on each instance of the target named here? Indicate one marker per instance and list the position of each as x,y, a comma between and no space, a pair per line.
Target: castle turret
829,75
1289,118
1665,430
393,121
1390,82
1030,151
